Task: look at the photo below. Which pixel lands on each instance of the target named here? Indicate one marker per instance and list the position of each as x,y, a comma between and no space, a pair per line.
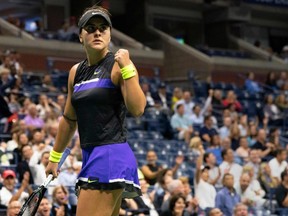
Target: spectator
215,212
225,143
73,29
281,102
47,84
252,133
7,81
4,159
254,161
281,194
217,99
38,170
187,188
162,98
128,207
227,197
38,144
242,188
69,172
32,120
188,103
22,139
43,107
146,91
207,131
60,197
161,189
180,122
278,164
266,179
224,131
243,125
254,182
196,145
251,86
52,129
13,103
235,136
147,200
272,111
152,168
174,187
45,208
271,81
265,148
63,34
177,207
13,208
282,80
197,116
243,150
9,192
240,209
215,147
231,99
214,171
177,95
229,166
29,158
204,191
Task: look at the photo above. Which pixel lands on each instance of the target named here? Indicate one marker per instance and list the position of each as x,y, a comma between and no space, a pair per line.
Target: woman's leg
98,203
117,207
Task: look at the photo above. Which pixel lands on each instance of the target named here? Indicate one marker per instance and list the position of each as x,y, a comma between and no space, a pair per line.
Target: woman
266,179
98,90
44,209
177,206
60,197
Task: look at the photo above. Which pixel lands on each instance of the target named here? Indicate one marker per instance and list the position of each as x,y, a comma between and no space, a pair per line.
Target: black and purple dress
108,161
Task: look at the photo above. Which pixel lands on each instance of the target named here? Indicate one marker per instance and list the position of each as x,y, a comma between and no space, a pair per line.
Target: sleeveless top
98,104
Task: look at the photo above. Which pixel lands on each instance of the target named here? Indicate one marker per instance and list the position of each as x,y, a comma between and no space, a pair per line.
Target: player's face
96,34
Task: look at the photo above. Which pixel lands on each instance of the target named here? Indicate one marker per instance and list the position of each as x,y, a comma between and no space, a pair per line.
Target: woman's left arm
133,95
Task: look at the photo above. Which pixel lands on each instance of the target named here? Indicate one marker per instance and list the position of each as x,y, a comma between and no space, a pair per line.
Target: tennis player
100,91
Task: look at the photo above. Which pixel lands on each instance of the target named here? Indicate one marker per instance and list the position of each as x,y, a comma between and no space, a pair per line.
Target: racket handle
63,158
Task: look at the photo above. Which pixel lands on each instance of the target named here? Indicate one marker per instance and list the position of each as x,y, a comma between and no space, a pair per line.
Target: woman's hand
122,57
52,168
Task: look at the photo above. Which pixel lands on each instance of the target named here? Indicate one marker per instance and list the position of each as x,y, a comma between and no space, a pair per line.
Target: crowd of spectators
237,159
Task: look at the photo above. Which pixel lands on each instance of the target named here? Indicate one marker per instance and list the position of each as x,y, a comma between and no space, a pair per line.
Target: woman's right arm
67,125
68,122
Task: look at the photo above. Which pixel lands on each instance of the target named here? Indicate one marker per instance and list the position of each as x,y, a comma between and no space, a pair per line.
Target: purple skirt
109,167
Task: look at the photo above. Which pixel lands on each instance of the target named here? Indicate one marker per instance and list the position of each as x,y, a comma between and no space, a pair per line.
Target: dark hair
224,152
161,174
174,199
207,118
24,146
206,155
283,174
225,175
279,151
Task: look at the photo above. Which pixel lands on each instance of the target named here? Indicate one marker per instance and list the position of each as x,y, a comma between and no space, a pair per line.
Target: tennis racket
31,205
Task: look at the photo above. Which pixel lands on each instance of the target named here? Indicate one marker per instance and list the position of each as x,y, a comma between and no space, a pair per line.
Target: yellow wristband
128,71
55,156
